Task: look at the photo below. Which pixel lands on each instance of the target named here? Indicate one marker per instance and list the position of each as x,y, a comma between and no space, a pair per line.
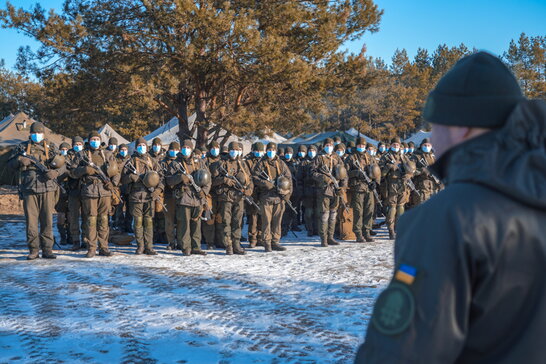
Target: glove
52,174
373,185
269,185
134,177
229,182
109,186
89,170
156,193
185,179
24,162
248,191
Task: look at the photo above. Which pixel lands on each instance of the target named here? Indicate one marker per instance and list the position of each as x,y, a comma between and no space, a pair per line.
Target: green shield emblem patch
394,310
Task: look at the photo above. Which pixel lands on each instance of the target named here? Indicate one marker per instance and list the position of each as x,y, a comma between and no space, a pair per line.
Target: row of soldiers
184,196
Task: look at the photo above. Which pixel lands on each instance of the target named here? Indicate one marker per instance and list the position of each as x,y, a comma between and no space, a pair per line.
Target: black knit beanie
479,91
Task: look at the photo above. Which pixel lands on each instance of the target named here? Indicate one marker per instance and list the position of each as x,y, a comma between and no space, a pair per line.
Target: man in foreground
469,282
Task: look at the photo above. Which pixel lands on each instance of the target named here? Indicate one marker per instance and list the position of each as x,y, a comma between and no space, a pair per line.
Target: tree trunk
183,122
201,119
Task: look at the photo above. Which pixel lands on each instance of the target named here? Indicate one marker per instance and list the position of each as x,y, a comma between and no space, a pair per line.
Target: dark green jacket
478,249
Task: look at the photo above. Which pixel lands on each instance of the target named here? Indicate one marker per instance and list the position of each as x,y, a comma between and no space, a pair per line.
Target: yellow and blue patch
406,274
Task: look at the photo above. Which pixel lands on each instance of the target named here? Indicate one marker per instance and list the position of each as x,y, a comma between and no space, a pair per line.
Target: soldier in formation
200,195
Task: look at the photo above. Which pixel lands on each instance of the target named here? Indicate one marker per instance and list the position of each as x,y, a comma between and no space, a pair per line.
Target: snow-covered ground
305,305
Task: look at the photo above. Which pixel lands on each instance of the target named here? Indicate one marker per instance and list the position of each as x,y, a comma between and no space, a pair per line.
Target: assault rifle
264,175
408,181
40,166
369,182
425,164
208,212
134,171
325,171
102,176
239,186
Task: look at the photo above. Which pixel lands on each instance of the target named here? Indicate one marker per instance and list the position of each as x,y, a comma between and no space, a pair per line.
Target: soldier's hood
510,160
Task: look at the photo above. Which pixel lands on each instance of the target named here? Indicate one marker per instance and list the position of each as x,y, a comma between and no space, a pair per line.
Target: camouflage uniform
189,202
230,197
96,196
38,191
141,198
212,229
271,202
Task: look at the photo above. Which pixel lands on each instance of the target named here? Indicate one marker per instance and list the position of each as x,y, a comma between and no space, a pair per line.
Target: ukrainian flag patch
406,274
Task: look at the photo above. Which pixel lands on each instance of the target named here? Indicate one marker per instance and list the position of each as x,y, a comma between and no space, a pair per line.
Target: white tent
168,133
106,132
273,137
15,129
356,134
418,137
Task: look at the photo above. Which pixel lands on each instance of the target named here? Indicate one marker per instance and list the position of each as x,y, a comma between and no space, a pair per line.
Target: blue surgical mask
112,147
301,154
411,150
406,150
349,150
64,152
173,153
328,149
37,137
95,144
186,152
215,152
426,149
360,150
402,151
312,154
396,150
371,152
340,153
77,148
203,156
257,154
123,152
382,149
233,154
156,148
141,149
271,154
288,156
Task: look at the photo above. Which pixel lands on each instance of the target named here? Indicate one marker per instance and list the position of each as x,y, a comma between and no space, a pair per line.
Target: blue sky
488,25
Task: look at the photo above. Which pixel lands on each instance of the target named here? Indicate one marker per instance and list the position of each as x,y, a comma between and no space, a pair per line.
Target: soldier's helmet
112,169
151,179
340,172
409,167
201,177
58,161
374,172
283,185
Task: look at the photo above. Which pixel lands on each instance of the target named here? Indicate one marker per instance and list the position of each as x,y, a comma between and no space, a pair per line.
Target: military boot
238,249
267,246
229,247
332,241
91,253
150,251
392,234
105,253
278,247
253,243
34,254
140,248
48,254
359,238
368,237
198,252
324,242
75,246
